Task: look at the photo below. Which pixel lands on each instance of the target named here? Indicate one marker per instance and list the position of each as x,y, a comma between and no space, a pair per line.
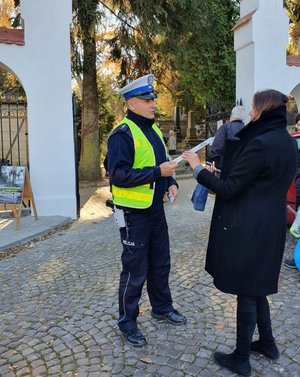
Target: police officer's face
143,107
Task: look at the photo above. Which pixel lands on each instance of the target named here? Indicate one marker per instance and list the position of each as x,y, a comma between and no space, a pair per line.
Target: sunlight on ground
95,207
5,222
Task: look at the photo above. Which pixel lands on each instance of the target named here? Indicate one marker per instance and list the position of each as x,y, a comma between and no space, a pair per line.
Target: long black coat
248,228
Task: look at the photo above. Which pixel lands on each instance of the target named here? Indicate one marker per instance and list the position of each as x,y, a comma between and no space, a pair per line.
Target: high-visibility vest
138,196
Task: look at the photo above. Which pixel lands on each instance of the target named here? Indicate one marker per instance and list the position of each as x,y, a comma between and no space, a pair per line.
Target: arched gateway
260,39
39,55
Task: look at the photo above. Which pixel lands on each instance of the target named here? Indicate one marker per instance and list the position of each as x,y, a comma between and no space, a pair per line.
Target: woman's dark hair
297,118
267,100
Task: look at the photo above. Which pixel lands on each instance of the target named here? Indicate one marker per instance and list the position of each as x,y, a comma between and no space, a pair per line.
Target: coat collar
139,120
269,120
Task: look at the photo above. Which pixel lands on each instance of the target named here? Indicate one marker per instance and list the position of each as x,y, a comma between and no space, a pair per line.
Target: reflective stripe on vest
138,196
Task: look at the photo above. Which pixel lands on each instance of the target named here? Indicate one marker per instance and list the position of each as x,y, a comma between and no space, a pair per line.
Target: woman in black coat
248,228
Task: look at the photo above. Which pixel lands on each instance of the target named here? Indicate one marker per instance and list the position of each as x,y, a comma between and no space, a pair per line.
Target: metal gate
13,130
216,111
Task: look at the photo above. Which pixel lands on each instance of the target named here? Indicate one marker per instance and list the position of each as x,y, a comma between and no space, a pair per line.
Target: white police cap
141,88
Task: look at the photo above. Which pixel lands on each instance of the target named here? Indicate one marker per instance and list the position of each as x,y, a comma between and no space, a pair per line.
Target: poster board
15,188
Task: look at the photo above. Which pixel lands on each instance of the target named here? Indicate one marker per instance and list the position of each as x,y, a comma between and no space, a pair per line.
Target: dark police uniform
145,240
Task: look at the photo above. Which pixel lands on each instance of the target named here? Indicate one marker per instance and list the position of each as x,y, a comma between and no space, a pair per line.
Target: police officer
140,175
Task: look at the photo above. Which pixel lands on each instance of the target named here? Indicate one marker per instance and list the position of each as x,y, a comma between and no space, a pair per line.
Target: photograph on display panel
11,184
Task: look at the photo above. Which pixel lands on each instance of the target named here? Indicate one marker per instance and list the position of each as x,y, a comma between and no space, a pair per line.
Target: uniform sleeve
247,167
172,181
120,162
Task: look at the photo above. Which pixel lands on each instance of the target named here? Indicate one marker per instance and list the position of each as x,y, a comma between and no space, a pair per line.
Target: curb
5,249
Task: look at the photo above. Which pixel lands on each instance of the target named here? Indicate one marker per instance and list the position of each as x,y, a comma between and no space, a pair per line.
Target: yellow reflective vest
138,196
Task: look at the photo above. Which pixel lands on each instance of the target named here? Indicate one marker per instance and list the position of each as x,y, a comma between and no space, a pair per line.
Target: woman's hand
192,158
210,168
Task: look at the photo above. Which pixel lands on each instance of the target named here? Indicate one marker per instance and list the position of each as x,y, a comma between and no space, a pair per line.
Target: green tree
190,39
107,102
207,68
86,18
293,10
9,85
107,105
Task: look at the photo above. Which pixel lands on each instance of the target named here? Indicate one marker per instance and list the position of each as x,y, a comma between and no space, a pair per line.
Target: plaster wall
43,67
270,45
262,41
244,75
243,36
247,7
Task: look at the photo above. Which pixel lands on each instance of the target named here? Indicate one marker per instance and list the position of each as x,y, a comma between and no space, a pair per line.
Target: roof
243,20
293,60
12,36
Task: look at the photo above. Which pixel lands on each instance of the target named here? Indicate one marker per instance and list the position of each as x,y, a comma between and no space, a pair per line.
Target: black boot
238,361
266,343
234,362
269,350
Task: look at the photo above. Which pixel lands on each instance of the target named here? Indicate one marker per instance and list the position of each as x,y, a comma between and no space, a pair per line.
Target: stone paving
29,230
58,307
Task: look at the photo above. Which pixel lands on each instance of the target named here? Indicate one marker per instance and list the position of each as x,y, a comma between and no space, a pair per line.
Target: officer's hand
167,169
172,191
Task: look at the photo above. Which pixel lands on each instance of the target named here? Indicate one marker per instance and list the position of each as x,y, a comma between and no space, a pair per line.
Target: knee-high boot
266,343
238,361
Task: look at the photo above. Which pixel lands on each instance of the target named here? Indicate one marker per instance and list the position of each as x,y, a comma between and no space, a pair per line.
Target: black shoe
290,263
268,350
135,338
174,318
234,363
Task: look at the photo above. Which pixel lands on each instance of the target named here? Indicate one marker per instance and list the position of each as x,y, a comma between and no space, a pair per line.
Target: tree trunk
89,166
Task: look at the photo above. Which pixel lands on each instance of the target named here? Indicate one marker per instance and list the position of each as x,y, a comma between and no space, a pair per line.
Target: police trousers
145,256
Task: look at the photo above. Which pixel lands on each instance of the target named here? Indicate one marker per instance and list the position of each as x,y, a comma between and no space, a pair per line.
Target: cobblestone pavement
59,305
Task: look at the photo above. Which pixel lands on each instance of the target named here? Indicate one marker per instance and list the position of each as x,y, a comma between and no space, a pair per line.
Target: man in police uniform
140,175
